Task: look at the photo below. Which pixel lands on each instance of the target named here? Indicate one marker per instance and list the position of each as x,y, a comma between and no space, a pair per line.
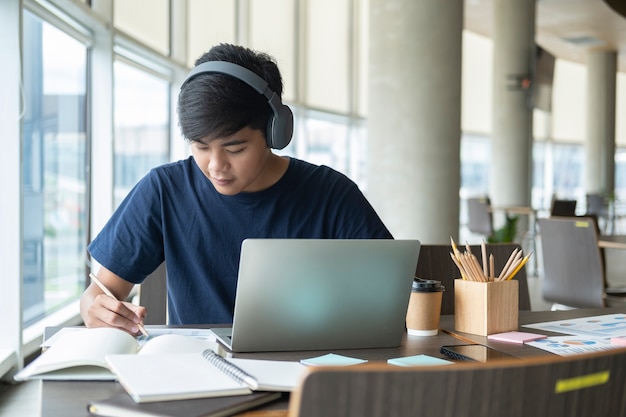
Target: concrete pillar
600,138
414,116
513,60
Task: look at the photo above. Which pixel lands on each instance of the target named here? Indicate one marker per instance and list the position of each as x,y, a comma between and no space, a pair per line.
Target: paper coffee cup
424,310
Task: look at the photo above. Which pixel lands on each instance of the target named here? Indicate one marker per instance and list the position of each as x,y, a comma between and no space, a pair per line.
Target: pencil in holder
484,308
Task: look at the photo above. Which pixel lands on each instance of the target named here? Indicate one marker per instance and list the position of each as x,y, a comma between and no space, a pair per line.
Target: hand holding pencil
108,292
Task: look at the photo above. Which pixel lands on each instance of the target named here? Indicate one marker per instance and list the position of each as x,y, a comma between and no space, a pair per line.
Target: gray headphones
280,124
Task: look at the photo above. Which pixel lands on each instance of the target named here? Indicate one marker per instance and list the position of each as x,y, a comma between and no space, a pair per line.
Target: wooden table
69,399
612,241
614,262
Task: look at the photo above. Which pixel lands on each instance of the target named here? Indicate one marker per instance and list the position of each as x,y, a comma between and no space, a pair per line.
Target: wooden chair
574,386
434,262
573,264
479,216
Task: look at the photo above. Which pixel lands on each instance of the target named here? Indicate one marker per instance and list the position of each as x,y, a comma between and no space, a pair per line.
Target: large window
332,140
141,119
55,183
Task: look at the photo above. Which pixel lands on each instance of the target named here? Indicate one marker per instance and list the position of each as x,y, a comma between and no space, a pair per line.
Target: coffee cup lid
426,285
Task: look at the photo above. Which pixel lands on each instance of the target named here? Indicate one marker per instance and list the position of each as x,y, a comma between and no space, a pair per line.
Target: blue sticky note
332,359
418,360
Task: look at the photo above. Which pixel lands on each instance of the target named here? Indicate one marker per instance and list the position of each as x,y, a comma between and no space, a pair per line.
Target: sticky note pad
418,360
516,337
332,359
619,341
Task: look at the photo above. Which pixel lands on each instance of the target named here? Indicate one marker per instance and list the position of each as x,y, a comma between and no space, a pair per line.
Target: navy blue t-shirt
174,214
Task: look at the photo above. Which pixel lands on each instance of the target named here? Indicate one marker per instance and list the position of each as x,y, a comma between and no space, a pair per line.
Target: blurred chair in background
573,264
598,205
563,208
479,216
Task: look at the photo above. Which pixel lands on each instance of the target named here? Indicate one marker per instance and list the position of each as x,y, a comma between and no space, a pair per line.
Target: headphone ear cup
280,128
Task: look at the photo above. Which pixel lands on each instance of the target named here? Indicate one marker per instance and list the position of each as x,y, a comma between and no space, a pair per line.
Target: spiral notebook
165,377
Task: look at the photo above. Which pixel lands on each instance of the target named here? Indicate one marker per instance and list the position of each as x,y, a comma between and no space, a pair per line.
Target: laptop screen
307,294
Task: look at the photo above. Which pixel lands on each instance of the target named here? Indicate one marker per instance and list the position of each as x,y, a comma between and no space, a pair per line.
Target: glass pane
54,168
475,157
141,121
620,175
337,141
567,165
620,110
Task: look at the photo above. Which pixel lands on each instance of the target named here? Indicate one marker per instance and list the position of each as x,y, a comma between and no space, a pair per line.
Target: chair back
583,385
565,208
597,204
479,216
153,296
573,270
434,262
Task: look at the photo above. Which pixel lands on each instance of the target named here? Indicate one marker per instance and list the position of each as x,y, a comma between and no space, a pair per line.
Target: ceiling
568,29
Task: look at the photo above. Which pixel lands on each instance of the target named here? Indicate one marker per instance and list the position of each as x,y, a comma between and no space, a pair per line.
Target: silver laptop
318,294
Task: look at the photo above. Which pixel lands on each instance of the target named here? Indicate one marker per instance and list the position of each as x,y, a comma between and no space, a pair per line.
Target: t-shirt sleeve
131,243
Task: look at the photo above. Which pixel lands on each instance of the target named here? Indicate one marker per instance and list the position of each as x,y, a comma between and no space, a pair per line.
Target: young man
195,213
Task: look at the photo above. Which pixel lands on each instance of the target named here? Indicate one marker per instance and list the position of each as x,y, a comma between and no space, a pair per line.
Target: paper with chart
572,345
601,327
586,334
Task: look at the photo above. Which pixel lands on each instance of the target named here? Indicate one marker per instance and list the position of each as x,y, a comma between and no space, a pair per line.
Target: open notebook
79,353
309,294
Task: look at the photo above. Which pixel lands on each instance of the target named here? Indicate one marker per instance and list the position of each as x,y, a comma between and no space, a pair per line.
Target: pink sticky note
621,341
515,337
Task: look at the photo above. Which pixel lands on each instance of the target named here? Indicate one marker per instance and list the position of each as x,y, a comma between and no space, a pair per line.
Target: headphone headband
280,124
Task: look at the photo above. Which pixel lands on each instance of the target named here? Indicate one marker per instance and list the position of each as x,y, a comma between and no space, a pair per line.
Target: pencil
110,294
483,248
514,265
456,251
521,264
458,265
507,265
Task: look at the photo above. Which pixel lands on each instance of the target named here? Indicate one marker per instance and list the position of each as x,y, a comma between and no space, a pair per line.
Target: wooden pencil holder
484,308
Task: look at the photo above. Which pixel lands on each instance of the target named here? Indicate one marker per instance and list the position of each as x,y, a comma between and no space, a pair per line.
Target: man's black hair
218,105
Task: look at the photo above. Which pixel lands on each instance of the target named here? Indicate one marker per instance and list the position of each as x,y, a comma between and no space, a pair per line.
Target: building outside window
55,166
141,122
